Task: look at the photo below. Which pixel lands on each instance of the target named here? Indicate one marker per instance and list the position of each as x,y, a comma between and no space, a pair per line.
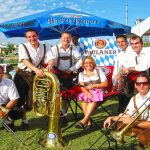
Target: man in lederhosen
137,105
66,55
8,101
31,57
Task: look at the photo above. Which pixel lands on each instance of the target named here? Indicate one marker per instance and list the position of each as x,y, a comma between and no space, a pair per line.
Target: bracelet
86,87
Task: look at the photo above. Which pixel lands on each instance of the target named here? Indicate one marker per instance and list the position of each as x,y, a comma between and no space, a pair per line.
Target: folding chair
72,93
108,95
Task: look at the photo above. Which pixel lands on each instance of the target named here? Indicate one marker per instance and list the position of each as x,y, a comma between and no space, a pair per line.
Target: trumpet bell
118,136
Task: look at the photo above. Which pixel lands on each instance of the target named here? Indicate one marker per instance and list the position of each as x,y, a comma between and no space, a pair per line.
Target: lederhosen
66,83
24,82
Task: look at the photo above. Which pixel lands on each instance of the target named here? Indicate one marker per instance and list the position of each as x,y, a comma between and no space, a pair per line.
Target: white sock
64,111
7,120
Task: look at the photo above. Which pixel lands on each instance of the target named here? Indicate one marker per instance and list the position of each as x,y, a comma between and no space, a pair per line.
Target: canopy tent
142,28
50,24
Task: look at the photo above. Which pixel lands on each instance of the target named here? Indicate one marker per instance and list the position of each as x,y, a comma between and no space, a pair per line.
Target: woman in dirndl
92,81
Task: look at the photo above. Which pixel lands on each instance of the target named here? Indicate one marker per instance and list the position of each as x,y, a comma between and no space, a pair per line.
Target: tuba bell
46,101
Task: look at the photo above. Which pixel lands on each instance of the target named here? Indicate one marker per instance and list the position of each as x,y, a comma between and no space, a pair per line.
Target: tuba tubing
119,135
46,101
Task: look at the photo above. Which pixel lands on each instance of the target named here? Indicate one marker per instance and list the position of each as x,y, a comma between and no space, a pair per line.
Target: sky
109,9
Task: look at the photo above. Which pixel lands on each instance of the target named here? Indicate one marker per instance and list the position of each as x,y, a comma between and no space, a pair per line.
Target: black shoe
80,126
63,114
24,126
139,147
64,120
10,127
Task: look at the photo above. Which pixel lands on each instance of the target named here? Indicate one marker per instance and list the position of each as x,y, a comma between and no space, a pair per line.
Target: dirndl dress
97,96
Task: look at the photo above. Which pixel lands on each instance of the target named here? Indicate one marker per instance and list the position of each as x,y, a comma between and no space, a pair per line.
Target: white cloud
12,9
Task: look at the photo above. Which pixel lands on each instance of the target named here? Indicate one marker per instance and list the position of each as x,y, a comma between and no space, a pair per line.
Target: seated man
142,85
8,101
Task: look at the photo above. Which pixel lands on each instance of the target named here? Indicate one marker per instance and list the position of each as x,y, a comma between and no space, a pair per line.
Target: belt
22,70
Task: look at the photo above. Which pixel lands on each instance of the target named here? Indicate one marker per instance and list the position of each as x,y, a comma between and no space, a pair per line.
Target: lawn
78,139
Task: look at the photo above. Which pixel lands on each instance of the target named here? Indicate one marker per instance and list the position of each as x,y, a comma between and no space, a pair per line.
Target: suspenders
135,106
134,99
30,56
64,57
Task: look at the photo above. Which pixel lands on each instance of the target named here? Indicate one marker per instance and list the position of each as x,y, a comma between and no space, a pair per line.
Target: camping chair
72,93
108,95
108,92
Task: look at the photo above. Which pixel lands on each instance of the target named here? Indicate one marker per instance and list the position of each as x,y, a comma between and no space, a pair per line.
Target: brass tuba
119,135
46,101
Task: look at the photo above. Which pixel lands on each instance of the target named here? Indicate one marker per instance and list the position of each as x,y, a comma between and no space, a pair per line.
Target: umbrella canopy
142,28
50,24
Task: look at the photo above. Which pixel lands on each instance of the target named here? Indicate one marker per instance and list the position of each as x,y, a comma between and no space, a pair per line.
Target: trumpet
119,135
3,111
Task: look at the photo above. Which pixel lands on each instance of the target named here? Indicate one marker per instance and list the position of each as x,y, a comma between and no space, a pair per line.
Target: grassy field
78,139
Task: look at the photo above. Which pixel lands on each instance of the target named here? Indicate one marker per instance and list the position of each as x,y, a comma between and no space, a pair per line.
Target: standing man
8,101
31,57
121,63
66,55
141,61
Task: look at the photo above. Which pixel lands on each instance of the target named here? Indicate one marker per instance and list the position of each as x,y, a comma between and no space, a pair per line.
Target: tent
50,24
142,28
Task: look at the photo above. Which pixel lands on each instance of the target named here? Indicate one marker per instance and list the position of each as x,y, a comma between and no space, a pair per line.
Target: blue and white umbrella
50,24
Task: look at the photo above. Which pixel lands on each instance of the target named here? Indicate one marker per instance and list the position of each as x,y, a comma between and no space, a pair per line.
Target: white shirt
139,101
143,60
122,60
8,91
64,65
35,54
84,78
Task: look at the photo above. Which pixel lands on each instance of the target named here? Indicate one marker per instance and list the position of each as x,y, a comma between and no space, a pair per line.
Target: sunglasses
142,83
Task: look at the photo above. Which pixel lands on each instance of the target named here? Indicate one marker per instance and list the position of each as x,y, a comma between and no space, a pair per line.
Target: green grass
78,139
